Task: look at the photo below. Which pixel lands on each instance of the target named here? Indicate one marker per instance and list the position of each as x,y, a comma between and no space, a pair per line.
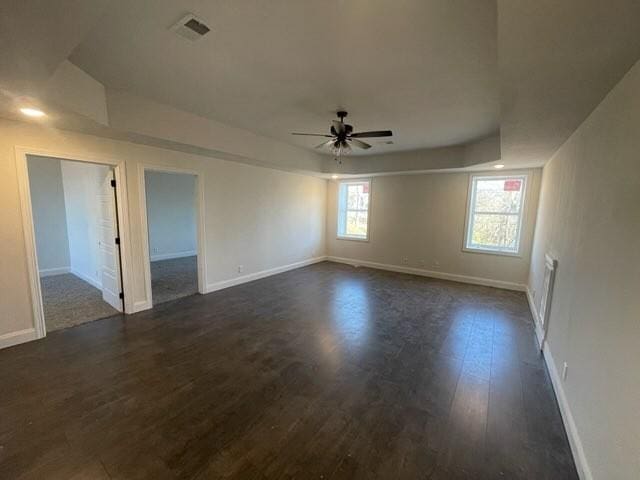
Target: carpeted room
73,213
172,219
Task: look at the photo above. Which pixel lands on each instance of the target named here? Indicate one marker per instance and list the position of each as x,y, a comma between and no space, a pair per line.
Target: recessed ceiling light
334,176
32,112
499,166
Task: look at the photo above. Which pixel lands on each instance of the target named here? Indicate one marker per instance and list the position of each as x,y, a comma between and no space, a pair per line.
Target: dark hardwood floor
326,372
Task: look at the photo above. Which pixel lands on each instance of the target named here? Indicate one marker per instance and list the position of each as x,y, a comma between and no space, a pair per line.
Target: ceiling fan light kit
342,137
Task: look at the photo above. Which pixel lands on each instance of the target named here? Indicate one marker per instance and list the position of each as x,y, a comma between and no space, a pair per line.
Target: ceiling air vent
191,27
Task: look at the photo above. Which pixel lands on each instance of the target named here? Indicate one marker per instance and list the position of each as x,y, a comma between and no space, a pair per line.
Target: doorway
77,241
171,205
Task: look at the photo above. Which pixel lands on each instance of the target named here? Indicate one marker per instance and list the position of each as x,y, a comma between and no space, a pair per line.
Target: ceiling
427,69
36,35
462,83
557,61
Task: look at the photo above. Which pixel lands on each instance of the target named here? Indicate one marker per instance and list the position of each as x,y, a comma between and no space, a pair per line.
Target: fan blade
312,134
338,127
377,133
324,144
359,143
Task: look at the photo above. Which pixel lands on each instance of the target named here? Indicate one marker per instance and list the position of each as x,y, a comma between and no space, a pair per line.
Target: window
353,210
495,214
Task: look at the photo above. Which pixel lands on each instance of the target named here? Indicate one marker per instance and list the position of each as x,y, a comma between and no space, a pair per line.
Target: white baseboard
169,256
212,287
567,418
15,338
87,279
584,472
49,272
428,273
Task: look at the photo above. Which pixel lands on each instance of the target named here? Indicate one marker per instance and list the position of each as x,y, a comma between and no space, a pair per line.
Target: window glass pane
352,223
499,232
353,210
363,197
362,223
357,224
353,196
499,195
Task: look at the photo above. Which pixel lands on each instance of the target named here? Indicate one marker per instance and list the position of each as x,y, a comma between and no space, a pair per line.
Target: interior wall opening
172,225
75,220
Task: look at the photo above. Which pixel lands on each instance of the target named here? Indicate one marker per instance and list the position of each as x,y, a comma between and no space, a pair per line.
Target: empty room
171,211
75,230
348,239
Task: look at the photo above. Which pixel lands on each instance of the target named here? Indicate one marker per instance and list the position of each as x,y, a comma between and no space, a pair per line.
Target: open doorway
75,222
172,224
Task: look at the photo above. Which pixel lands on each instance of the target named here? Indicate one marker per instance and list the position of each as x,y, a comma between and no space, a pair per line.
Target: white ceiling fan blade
311,134
359,143
325,144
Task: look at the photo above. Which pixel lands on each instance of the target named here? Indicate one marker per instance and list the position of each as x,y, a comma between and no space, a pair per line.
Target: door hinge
113,183
117,240
121,295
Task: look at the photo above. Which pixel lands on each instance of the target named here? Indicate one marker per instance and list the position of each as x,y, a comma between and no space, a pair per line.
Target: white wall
82,184
257,217
422,218
171,214
78,92
49,215
589,218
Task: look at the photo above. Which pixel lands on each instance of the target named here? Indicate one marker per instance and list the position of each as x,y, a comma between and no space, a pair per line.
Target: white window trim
350,237
469,213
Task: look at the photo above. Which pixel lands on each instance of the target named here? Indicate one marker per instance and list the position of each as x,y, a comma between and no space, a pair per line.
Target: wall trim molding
577,450
86,278
21,154
170,256
141,306
536,319
15,338
212,287
488,282
50,272
579,457
201,236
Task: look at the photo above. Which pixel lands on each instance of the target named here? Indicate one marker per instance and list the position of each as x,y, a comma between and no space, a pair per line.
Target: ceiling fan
342,136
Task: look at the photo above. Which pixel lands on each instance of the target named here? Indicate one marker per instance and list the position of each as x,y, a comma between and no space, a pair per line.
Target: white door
109,250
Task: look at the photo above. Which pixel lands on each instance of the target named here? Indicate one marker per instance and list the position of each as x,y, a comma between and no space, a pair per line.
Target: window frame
353,238
473,178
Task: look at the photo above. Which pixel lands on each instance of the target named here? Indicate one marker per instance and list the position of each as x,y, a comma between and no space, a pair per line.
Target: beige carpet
173,279
69,300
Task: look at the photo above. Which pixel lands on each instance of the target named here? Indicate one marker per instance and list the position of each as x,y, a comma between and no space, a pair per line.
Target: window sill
352,239
492,252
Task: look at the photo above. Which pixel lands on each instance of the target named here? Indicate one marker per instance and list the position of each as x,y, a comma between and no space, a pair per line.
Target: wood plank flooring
326,372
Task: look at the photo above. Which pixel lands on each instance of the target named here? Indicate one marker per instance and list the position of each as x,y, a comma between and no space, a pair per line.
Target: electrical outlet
423,263
436,263
155,249
564,371
240,268
405,260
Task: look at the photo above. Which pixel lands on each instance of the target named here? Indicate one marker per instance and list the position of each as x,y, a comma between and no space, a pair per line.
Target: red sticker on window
512,185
